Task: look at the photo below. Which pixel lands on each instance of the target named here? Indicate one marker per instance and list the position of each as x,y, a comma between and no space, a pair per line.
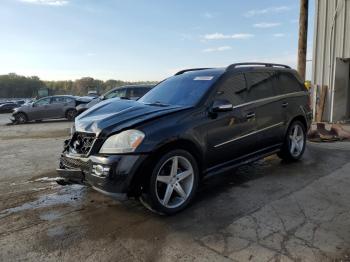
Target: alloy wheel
174,183
21,118
296,140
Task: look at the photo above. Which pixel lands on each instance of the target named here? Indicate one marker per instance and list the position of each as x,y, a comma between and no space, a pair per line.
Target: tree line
14,86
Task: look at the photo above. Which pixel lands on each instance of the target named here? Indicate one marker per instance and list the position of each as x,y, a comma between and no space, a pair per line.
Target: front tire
295,142
173,183
21,118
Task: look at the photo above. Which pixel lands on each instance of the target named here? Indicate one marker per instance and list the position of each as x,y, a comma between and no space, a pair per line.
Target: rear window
287,83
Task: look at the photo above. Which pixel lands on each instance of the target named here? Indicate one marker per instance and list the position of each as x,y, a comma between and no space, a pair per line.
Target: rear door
56,107
269,113
60,105
293,94
230,134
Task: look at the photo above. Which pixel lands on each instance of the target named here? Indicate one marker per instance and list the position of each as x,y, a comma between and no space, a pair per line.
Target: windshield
116,93
185,89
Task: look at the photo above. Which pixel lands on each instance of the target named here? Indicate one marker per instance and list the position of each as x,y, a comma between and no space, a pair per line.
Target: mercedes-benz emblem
76,144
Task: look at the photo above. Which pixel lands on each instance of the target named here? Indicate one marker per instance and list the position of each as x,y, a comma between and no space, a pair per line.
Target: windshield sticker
203,78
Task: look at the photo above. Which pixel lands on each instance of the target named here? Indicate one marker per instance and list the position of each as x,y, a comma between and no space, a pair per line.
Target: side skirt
240,161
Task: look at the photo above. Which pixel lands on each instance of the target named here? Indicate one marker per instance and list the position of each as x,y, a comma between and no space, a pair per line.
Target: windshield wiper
156,103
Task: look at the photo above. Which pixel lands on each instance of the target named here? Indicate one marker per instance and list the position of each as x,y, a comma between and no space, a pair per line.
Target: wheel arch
300,118
141,177
22,112
70,108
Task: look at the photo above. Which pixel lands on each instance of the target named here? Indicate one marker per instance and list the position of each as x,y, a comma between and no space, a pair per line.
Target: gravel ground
266,211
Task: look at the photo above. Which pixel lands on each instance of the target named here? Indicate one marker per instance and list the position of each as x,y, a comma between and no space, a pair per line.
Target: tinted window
260,85
233,89
61,100
138,92
287,83
184,89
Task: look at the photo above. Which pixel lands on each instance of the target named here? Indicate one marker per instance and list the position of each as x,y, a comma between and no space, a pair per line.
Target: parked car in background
131,92
189,127
8,107
20,102
51,107
93,93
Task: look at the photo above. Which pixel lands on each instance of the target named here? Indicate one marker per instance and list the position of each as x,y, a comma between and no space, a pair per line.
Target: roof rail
233,66
189,70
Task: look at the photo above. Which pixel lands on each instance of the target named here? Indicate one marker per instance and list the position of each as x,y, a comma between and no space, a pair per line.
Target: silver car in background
131,92
51,107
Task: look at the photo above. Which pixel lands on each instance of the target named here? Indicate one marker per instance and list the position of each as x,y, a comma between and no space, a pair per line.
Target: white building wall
331,42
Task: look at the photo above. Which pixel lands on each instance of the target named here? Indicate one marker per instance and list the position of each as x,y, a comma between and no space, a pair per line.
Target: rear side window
233,89
61,100
260,85
287,83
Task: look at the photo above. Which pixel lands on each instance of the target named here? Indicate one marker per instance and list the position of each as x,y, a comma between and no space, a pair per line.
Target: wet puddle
70,195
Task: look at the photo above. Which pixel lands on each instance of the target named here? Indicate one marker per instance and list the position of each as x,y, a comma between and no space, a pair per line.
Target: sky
138,40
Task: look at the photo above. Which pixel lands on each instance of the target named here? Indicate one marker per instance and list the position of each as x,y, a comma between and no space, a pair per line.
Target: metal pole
302,45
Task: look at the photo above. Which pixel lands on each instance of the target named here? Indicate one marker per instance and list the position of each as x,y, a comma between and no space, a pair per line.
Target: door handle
250,115
285,104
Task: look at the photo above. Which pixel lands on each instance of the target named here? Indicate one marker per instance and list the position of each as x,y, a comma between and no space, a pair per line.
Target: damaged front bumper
111,175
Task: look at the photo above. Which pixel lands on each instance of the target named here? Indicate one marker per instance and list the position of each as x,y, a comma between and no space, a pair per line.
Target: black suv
197,123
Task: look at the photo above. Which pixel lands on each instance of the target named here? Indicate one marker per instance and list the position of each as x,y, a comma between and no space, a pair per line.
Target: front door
40,109
230,135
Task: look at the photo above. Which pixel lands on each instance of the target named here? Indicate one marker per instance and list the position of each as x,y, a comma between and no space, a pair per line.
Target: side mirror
102,97
221,105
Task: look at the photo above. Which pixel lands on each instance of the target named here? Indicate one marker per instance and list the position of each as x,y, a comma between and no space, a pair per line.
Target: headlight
124,142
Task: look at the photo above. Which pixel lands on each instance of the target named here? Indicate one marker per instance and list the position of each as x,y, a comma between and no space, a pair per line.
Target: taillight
309,101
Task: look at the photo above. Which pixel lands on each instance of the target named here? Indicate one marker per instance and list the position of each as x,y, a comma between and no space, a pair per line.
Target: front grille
81,143
73,163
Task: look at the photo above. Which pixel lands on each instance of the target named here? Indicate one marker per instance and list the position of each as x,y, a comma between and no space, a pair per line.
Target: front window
42,102
184,90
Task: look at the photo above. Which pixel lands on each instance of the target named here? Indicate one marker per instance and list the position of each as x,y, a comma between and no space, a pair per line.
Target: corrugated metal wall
331,41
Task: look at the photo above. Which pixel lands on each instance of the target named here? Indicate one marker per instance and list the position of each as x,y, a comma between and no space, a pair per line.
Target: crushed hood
115,114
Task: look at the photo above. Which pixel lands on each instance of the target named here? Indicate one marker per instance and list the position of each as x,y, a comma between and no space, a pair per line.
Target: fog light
99,170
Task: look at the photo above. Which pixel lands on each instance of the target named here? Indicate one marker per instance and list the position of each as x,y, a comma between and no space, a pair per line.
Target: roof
133,86
237,67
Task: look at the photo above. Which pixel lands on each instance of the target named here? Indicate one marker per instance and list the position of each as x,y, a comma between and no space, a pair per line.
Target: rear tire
71,114
21,118
173,183
294,144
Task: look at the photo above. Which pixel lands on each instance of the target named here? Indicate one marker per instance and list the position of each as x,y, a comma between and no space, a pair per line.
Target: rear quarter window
287,83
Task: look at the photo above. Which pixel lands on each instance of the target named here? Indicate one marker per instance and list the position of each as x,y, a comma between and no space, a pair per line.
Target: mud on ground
266,211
